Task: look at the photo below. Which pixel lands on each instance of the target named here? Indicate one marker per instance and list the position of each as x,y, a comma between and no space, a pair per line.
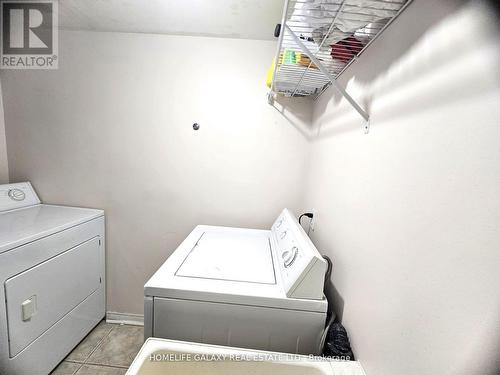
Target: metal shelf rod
325,71
321,44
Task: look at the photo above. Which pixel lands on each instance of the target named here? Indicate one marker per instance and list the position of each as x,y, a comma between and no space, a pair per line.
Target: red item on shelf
346,49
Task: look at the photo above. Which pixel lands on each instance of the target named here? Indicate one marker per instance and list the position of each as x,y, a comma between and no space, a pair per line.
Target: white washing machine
52,279
248,288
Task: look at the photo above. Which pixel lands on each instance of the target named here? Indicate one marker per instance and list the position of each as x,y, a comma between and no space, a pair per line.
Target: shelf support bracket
271,95
334,82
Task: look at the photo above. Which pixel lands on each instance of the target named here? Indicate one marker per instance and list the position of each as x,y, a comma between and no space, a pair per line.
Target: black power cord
330,314
328,272
310,215
334,341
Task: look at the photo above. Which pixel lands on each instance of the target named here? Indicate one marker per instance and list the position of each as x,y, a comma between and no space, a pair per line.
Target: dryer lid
237,256
27,224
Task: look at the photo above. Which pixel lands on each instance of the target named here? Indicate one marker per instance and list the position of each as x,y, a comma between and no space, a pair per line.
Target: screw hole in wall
196,126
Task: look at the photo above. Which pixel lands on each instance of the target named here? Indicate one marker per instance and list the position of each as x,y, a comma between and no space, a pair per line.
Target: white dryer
52,279
260,289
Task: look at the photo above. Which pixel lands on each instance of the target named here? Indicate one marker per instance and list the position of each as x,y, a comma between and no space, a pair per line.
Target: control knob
289,256
16,194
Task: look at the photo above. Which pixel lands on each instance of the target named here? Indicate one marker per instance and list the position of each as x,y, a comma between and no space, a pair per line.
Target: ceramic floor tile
100,370
120,347
66,368
90,342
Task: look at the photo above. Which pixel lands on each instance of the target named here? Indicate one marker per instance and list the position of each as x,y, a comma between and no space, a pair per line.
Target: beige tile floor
107,350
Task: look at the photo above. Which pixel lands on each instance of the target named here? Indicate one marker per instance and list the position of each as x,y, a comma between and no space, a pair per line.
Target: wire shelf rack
319,39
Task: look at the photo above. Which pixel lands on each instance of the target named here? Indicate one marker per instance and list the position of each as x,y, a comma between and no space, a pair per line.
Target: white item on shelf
354,15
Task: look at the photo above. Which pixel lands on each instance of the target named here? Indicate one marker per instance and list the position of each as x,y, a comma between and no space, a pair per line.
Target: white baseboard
123,318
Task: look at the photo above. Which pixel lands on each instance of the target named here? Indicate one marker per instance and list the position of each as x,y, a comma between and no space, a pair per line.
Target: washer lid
242,264
237,256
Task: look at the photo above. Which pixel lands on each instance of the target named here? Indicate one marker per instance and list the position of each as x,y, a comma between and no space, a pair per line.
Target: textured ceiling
252,19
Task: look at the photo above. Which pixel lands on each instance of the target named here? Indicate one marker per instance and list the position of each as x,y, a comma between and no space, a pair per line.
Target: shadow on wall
399,64
381,58
494,6
389,48
392,46
451,62
298,111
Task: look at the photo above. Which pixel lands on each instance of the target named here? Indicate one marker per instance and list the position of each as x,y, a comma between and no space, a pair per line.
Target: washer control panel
289,256
302,266
18,195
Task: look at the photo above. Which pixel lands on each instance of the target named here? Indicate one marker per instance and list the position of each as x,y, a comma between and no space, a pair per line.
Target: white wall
4,170
410,213
112,128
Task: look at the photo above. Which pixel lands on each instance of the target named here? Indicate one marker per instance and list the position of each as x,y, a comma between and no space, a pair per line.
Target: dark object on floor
337,343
